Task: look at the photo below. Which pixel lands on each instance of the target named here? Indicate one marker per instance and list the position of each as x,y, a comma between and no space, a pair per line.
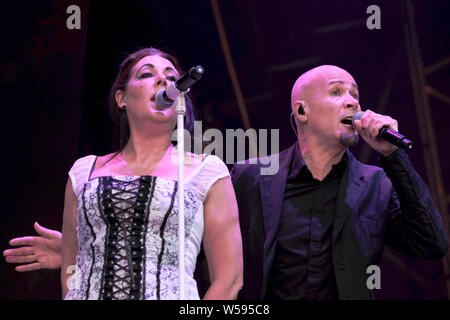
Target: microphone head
357,116
162,101
196,72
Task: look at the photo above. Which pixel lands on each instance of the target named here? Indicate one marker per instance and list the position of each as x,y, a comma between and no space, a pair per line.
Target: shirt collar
298,163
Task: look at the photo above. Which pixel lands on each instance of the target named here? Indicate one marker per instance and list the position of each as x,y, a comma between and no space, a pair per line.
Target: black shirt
302,266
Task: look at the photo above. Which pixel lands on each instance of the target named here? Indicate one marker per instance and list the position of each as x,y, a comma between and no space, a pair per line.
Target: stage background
55,81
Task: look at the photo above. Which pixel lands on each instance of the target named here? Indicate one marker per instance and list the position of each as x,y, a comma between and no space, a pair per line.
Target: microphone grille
161,101
357,116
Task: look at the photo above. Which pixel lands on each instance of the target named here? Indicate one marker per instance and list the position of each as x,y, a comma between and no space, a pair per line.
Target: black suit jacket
374,207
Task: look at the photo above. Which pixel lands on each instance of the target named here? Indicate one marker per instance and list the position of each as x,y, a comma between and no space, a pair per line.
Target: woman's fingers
23,251
28,267
20,259
47,233
23,241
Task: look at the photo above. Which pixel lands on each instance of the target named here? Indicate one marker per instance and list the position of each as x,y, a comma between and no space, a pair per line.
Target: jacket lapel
272,194
351,187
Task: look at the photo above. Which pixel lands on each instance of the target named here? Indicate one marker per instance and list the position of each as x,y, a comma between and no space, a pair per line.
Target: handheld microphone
165,97
388,134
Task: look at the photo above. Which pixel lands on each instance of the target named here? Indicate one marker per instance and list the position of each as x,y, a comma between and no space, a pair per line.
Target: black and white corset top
127,229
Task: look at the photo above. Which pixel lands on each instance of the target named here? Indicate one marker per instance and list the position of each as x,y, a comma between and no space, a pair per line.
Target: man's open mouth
347,121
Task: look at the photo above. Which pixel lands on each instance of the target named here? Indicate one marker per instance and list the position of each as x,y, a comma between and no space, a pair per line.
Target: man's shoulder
260,166
249,168
255,163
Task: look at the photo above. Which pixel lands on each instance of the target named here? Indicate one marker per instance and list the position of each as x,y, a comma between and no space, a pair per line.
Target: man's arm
415,226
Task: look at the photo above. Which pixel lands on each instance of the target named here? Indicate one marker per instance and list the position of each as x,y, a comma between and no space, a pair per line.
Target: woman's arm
69,245
222,242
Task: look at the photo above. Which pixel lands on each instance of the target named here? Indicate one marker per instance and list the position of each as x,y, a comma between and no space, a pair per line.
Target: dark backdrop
55,82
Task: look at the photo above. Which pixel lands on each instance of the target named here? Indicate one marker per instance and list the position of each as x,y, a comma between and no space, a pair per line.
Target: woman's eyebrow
145,65
171,69
152,66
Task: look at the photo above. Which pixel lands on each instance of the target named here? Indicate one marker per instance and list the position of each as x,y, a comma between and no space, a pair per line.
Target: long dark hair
119,116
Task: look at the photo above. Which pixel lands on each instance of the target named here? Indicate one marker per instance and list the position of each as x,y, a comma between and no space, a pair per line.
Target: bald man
312,230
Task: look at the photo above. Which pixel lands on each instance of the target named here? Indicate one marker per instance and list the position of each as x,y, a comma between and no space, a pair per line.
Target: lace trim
163,242
92,243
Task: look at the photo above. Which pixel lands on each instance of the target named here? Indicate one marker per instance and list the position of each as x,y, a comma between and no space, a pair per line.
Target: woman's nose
161,80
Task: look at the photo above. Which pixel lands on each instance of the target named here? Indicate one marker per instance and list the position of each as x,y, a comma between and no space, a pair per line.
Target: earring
124,108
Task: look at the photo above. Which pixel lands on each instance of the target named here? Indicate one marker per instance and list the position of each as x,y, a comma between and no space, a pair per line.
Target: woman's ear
120,98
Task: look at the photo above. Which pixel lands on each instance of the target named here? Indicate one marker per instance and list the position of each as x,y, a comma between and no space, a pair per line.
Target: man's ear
120,98
300,111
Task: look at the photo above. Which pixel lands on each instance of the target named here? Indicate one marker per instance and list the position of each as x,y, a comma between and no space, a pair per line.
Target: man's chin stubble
349,139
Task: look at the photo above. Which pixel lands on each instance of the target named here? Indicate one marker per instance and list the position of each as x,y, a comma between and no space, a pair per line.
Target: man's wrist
389,153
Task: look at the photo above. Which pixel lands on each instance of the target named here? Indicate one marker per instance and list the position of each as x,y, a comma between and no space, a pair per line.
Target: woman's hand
42,252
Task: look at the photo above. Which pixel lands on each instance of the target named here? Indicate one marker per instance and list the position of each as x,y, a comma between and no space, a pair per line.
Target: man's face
332,97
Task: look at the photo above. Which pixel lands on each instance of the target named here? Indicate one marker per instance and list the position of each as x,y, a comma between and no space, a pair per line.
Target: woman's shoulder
100,161
211,165
80,171
202,160
86,163
214,160
83,162
191,160
211,169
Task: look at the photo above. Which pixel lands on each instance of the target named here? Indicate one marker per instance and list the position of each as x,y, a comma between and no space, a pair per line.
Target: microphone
166,97
388,134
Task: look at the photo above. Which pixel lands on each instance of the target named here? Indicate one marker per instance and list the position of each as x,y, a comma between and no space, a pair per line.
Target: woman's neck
145,149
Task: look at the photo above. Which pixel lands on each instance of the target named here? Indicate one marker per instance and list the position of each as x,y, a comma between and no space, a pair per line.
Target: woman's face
148,76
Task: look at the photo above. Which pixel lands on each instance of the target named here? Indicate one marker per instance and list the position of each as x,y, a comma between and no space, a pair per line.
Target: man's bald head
308,81
327,94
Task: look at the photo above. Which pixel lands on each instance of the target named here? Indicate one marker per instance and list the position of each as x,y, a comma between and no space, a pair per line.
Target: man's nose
351,103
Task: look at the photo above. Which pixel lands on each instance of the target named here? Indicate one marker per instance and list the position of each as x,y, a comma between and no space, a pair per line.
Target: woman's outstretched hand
42,252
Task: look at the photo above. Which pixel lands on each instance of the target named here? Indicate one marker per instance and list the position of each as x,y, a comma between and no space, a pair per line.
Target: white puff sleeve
212,169
79,173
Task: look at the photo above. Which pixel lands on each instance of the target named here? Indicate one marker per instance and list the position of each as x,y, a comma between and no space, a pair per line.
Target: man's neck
320,158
